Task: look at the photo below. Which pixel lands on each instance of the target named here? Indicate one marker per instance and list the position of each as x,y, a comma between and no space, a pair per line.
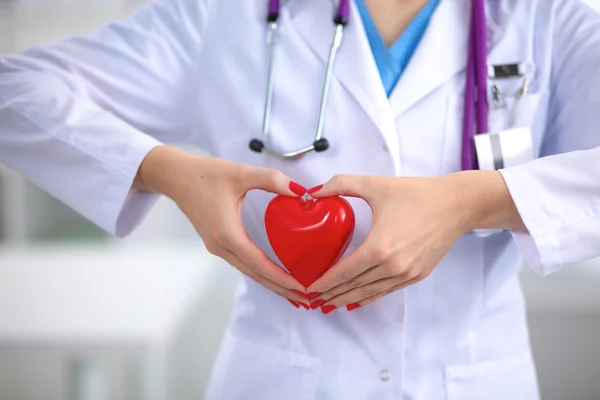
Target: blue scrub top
391,61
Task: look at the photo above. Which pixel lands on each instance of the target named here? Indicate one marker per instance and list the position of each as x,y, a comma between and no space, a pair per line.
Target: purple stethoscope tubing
341,16
273,7
475,120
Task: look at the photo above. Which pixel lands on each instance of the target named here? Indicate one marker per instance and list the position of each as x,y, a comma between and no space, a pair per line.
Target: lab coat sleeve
78,116
558,195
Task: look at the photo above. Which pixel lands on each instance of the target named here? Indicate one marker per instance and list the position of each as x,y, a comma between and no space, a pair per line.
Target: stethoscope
319,143
476,109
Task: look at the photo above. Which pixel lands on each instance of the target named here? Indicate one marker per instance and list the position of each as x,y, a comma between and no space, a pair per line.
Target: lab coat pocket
517,113
511,378
250,370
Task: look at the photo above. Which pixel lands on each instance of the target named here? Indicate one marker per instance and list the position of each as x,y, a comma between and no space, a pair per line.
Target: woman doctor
422,306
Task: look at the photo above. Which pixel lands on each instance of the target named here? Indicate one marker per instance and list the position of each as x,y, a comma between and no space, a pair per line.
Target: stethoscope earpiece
257,146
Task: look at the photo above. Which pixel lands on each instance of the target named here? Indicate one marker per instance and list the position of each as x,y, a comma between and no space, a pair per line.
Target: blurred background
84,316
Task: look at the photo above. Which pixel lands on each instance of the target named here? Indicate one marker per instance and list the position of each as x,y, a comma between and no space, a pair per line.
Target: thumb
274,181
342,185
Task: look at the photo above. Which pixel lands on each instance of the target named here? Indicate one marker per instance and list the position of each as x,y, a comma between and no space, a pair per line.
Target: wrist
164,170
486,200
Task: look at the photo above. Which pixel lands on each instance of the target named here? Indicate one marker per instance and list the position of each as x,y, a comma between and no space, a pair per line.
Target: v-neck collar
392,60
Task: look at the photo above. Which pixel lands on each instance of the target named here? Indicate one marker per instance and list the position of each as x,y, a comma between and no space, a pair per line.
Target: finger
343,185
374,274
373,299
273,181
238,242
363,292
363,296
243,268
261,264
348,268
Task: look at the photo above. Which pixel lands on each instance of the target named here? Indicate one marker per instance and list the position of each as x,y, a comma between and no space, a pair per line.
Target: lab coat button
385,148
385,375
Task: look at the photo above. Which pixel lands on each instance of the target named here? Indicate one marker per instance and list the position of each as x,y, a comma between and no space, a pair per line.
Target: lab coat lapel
443,50
441,54
354,68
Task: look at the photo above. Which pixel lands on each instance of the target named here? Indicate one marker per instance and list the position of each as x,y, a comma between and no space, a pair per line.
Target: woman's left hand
415,223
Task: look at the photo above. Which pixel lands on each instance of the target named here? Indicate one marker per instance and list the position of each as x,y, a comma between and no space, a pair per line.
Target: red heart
309,236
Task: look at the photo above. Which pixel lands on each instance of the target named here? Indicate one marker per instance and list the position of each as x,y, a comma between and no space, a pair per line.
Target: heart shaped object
309,236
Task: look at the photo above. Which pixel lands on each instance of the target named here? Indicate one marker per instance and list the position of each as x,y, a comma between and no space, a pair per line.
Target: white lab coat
78,116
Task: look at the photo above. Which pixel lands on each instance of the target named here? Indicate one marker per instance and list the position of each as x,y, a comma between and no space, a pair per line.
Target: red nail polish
297,188
316,304
315,189
312,295
353,306
294,303
328,308
305,306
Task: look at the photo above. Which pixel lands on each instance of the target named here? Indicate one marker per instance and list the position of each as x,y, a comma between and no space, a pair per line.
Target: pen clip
521,93
498,97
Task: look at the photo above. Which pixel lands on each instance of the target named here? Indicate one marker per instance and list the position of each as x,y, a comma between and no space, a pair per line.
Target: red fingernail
327,309
312,295
353,306
304,305
294,303
316,304
315,189
297,188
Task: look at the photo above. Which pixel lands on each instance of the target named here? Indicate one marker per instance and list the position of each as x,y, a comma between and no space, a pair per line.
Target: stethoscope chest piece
319,144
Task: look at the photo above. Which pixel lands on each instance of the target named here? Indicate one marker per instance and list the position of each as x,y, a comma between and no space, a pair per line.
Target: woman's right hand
210,191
